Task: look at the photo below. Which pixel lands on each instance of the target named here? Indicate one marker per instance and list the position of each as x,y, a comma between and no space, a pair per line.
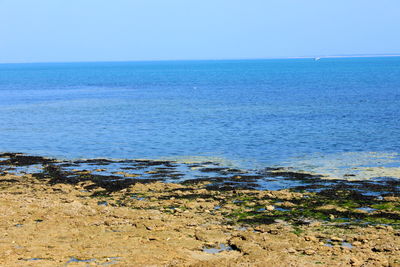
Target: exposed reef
166,213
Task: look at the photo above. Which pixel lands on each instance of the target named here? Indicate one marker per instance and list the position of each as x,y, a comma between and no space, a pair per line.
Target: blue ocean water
250,112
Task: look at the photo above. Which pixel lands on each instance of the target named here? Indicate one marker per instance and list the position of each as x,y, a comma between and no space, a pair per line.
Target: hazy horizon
212,59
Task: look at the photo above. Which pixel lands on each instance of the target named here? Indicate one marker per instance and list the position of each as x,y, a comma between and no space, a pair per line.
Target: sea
332,115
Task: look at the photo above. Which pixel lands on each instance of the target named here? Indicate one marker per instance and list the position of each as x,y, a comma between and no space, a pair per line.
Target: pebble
310,238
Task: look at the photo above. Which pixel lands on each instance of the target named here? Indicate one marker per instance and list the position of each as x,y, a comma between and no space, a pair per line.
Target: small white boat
317,58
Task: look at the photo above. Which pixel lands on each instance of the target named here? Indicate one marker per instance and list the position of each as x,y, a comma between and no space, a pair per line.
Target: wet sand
48,223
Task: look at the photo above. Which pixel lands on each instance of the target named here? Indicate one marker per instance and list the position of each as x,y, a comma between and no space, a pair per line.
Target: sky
129,30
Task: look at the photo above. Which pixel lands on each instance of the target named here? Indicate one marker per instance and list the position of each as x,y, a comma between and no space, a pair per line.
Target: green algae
297,231
339,207
386,206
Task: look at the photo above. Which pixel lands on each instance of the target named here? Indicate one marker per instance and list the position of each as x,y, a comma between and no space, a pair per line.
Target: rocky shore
73,217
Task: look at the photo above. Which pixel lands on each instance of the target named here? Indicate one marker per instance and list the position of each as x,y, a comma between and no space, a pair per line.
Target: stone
288,204
355,262
311,238
270,208
336,239
309,252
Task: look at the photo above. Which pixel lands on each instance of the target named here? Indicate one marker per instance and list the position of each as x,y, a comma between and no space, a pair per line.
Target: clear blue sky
114,30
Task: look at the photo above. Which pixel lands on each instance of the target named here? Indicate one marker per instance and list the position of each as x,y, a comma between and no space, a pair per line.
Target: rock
394,262
355,262
177,210
270,208
62,188
207,205
331,207
273,231
288,204
261,228
279,221
383,248
74,224
213,236
315,224
131,175
309,252
311,238
391,198
336,239
192,205
247,248
251,204
229,207
362,238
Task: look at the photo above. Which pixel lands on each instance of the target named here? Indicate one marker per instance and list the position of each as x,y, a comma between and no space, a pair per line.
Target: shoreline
55,219
372,180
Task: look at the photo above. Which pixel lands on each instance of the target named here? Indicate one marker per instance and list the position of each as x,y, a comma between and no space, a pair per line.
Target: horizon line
221,59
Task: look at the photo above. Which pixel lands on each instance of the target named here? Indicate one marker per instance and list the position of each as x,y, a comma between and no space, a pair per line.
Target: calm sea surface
252,113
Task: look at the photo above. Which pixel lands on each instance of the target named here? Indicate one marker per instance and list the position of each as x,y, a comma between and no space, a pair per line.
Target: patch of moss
241,214
297,231
381,220
385,206
350,204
